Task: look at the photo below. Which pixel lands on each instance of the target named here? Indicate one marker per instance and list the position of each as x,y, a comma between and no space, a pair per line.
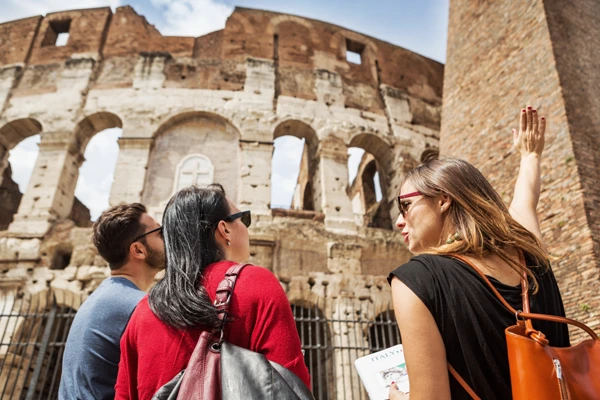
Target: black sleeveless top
472,320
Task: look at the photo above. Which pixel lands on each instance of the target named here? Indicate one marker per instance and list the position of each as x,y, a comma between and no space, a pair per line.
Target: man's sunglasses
404,205
159,230
245,216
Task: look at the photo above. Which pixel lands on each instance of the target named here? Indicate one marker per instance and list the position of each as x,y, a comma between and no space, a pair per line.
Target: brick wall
86,32
501,57
297,46
16,38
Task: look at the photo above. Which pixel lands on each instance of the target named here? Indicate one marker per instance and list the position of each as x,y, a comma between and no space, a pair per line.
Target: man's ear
445,202
137,251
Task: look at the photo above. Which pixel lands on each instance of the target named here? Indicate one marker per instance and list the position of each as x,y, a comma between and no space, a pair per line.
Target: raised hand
530,138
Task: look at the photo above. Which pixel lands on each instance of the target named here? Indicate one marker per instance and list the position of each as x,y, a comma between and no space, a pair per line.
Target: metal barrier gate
33,332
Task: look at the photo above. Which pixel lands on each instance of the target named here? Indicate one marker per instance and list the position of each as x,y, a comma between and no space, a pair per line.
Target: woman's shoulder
253,279
425,269
426,264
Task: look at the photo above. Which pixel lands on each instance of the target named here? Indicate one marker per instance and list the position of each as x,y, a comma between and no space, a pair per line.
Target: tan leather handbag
538,370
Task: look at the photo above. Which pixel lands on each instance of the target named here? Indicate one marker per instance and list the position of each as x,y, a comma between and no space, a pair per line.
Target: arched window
16,177
293,166
194,169
96,176
365,189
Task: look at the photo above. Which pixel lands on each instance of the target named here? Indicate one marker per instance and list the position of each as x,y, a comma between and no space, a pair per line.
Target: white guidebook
377,371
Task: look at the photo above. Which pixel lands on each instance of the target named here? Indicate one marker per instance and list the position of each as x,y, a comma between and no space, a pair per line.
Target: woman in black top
445,310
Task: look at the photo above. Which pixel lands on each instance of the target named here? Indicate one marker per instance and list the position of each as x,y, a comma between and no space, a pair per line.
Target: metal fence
334,335
33,332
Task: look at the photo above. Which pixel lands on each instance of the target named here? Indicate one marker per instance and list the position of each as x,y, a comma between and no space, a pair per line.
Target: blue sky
418,25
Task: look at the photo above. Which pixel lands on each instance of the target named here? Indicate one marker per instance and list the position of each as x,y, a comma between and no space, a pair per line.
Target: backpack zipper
562,385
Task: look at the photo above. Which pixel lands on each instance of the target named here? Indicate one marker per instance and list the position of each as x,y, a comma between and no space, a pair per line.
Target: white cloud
17,9
192,17
22,161
97,173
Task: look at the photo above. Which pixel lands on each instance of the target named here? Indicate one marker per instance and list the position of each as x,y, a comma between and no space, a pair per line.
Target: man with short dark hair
131,241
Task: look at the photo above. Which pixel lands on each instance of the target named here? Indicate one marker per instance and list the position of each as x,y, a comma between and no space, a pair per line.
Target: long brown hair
477,213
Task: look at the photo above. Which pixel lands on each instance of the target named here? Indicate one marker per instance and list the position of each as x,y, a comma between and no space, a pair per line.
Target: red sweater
152,353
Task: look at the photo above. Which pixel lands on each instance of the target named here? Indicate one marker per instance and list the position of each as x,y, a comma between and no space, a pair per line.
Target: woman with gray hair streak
205,234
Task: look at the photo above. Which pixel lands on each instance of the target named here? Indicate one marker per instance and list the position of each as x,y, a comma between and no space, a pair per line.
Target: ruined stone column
51,190
255,193
331,184
130,172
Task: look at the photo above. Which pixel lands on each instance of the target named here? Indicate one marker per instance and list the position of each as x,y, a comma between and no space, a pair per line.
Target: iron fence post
40,358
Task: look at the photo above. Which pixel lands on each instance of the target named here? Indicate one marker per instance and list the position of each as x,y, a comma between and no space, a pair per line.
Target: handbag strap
223,296
462,382
526,313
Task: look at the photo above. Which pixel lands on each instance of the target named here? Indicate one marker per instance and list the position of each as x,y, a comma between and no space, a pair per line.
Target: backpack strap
223,296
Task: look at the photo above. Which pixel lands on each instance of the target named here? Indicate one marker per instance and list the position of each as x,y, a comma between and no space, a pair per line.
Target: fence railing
334,335
33,332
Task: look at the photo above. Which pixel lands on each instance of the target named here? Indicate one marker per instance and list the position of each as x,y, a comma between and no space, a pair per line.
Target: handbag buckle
517,314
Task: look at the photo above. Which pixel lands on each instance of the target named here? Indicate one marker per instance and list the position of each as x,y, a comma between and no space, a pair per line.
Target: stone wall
501,57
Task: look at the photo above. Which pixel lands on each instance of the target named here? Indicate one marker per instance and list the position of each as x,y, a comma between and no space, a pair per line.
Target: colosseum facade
198,110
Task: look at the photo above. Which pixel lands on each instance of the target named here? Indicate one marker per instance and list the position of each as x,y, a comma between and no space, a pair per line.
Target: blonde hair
477,213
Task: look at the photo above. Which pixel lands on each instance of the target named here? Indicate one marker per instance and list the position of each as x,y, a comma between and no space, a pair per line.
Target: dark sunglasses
245,216
159,230
404,205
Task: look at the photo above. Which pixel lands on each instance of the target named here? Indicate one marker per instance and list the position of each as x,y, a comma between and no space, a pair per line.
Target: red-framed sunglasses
403,205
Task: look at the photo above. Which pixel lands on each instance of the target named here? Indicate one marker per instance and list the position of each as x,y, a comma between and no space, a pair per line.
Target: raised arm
529,140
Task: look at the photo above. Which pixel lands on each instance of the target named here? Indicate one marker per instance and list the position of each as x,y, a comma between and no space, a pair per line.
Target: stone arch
91,125
308,162
186,134
299,129
11,134
382,153
170,121
86,131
